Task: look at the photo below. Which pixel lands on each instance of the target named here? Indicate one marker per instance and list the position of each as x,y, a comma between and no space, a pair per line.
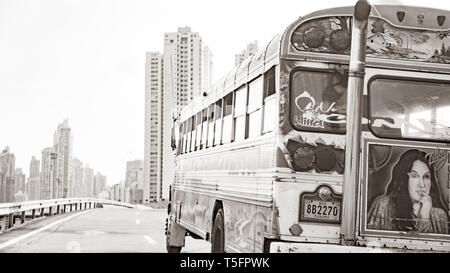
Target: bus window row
246,113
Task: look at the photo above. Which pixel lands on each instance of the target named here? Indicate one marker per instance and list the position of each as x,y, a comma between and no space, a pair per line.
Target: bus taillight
321,158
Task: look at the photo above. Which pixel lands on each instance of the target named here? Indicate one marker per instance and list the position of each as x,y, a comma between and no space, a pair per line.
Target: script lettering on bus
315,116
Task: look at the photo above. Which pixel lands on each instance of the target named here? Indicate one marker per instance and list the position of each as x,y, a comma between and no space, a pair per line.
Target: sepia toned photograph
229,127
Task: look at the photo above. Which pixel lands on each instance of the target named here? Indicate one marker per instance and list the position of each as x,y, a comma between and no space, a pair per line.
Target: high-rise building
153,126
34,167
33,188
19,181
48,171
251,49
99,184
77,178
134,176
7,169
62,143
178,72
88,182
33,185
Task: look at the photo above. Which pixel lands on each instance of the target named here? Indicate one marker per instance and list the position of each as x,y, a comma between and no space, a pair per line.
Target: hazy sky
84,60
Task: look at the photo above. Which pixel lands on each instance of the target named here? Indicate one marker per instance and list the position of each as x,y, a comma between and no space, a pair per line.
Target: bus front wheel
172,249
218,233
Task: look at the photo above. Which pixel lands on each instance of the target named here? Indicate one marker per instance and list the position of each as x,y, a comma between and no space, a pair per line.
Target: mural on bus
408,189
333,35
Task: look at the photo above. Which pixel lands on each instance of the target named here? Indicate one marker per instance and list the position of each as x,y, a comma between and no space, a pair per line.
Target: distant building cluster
251,49
56,175
131,189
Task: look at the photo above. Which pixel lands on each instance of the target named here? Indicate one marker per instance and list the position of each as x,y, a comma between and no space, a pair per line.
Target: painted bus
261,158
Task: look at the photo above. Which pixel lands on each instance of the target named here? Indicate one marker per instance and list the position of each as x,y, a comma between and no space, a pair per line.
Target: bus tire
218,233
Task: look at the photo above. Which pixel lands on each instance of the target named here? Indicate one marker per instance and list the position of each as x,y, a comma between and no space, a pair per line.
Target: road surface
106,230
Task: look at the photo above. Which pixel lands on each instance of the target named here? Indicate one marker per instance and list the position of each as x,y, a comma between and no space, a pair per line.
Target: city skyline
89,66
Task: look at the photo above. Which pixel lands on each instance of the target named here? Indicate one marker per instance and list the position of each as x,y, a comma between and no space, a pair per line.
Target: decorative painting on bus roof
333,35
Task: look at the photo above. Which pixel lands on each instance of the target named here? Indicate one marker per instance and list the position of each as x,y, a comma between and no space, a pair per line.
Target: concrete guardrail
11,212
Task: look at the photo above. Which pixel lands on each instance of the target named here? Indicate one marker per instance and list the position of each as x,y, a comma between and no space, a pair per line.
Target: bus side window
194,132
227,131
255,100
269,101
184,137
211,112
198,127
204,128
218,123
240,111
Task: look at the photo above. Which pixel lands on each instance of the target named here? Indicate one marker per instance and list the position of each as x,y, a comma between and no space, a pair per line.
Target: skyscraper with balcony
173,79
62,143
153,126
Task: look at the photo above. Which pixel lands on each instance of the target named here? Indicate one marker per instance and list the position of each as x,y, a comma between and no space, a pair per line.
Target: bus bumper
289,247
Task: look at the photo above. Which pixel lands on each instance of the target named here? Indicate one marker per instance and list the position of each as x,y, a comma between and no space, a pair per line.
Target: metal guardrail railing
10,212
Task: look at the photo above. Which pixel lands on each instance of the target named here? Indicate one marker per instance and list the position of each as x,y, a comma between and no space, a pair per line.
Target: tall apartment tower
34,180
48,172
251,49
77,178
7,172
62,143
153,126
173,79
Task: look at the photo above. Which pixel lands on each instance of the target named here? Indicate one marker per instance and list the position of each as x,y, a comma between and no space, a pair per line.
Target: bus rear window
318,101
410,109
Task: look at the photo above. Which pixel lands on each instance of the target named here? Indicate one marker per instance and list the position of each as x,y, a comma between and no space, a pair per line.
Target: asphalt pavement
104,230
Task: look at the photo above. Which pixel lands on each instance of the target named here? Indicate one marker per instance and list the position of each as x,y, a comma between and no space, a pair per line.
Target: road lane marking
137,213
138,221
150,240
34,232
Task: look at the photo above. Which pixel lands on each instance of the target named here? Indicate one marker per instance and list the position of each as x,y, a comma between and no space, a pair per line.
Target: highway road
105,230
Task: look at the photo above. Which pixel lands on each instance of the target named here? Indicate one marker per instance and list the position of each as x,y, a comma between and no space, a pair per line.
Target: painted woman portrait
412,201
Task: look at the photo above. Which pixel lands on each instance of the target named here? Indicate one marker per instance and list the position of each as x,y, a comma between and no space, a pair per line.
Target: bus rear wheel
218,233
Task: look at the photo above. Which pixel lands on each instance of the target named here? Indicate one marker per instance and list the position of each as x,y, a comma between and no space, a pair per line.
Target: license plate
321,210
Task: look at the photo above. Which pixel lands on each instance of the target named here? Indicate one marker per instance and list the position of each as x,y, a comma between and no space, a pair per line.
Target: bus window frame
309,69
204,136
269,98
230,116
211,122
256,111
218,137
191,129
400,78
198,137
242,117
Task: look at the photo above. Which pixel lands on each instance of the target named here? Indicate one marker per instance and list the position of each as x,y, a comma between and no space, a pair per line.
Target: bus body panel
258,182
